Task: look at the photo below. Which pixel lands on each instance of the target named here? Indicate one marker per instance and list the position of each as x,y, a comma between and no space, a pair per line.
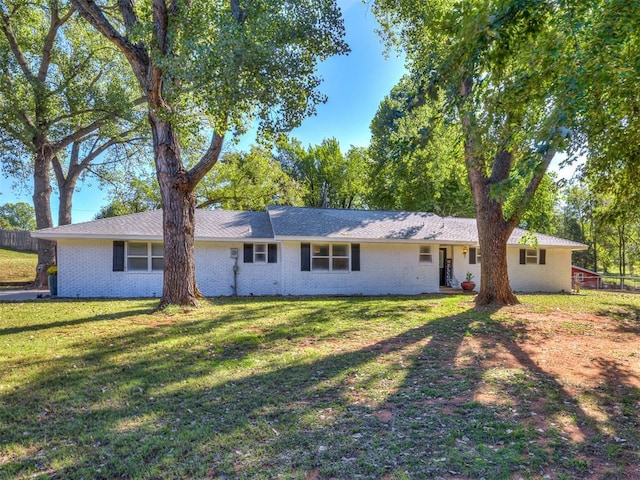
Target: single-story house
585,278
298,251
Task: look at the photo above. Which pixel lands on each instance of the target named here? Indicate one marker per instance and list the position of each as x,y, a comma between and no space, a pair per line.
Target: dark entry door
442,261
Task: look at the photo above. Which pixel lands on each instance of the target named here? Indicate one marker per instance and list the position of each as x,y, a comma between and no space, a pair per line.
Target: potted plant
53,280
468,285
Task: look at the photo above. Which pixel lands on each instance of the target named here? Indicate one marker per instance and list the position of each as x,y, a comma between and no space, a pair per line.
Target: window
260,253
533,257
330,257
425,255
145,257
474,256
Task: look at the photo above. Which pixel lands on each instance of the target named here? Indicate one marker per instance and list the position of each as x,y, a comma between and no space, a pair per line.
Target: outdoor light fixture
465,250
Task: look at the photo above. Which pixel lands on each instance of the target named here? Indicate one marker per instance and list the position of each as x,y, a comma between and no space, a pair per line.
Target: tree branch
49,40
135,54
57,169
238,13
530,191
207,161
5,26
128,14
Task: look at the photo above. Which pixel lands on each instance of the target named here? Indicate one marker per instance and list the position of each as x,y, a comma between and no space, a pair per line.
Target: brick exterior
86,270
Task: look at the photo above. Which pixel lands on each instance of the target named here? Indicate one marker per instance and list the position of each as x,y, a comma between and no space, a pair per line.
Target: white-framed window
330,257
531,257
426,254
260,253
145,257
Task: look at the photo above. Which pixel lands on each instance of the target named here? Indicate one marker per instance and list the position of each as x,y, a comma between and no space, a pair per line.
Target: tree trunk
66,196
493,233
178,207
42,206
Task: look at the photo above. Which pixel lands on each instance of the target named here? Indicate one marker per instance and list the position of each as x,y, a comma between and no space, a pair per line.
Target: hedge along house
298,251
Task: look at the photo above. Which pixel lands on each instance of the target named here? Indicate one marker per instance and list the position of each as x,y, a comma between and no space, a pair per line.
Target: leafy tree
499,68
326,177
609,77
17,216
416,154
247,181
577,222
541,215
214,65
64,102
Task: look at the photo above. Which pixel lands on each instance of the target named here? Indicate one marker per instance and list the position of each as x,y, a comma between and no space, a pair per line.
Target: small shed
585,278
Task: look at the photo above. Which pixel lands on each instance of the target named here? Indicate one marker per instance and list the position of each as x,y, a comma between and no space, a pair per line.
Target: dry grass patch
17,267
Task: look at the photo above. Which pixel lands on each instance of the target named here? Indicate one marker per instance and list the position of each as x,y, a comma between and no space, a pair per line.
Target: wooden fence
18,240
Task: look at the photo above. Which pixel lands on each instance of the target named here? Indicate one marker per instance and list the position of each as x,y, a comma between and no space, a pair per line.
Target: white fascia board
234,239
287,238
93,236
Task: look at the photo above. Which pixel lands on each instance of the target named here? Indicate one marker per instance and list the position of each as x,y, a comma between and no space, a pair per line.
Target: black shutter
472,256
272,253
523,256
305,257
355,257
248,253
542,256
118,256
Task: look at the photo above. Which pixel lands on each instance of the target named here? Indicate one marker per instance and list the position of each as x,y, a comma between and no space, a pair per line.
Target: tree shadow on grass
409,403
70,323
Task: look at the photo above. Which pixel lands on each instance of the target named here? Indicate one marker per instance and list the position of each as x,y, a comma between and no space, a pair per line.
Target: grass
296,389
17,267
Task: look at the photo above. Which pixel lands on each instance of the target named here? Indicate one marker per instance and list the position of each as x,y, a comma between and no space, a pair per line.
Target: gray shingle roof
210,224
353,224
299,223
465,230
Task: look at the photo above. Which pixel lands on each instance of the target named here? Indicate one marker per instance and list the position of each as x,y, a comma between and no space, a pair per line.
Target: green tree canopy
65,100
17,216
326,177
416,154
250,180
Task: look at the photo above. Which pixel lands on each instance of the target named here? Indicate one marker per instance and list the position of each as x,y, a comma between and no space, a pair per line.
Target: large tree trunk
493,233
178,206
493,229
66,196
42,206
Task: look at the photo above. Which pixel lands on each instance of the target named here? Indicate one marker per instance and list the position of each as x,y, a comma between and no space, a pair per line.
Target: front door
442,261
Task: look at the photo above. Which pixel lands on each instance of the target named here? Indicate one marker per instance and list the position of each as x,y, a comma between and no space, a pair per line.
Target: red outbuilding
585,278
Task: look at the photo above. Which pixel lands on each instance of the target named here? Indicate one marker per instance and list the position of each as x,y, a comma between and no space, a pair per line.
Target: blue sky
355,85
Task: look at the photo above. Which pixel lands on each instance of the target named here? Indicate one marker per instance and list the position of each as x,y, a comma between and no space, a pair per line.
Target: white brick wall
554,276
214,271
384,269
85,270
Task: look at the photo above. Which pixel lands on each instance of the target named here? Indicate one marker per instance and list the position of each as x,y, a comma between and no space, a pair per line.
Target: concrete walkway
22,295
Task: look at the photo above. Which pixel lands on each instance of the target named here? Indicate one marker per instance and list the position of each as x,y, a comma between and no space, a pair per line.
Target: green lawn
302,388
17,266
